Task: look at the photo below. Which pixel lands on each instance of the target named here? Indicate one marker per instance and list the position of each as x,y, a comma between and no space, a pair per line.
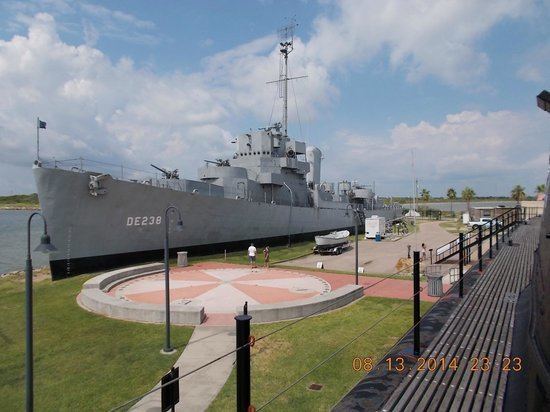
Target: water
13,240
462,206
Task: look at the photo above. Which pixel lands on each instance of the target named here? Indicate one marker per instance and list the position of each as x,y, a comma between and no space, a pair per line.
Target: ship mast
286,38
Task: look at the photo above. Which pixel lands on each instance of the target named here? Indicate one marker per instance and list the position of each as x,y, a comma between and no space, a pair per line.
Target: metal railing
83,165
477,235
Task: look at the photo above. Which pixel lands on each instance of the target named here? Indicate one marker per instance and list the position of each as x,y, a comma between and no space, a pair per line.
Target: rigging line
337,351
331,304
282,328
272,108
137,398
432,307
269,334
293,323
296,104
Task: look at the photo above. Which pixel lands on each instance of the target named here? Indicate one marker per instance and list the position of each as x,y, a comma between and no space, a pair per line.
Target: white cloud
536,64
92,20
116,16
468,148
422,37
118,111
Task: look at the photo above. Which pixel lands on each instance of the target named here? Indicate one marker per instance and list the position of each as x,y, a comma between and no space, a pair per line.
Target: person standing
423,251
252,255
266,256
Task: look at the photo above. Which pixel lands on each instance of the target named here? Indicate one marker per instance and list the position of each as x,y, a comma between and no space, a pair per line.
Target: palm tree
540,189
518,193
451,194
425,195
468,194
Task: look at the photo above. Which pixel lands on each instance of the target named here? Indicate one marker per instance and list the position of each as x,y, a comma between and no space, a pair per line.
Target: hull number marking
143,220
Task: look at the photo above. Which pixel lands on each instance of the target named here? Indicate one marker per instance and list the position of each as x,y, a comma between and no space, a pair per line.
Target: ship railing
117,171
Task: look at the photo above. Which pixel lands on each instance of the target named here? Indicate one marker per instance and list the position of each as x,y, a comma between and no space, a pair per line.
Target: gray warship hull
126,224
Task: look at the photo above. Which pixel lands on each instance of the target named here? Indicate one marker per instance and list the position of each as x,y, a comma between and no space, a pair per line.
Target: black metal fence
488,231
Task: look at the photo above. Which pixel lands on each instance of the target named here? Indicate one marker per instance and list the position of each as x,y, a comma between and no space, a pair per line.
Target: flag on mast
41,124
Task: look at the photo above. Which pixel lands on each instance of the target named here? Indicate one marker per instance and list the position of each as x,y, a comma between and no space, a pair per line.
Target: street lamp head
543,101
45,245
179,226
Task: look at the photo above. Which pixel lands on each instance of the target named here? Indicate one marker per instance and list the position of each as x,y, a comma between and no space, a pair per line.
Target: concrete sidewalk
198,390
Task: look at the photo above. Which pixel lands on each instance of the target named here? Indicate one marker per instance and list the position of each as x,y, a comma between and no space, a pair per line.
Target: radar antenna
286,38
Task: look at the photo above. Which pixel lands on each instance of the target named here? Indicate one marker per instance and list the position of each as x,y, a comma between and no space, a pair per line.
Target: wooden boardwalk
477,336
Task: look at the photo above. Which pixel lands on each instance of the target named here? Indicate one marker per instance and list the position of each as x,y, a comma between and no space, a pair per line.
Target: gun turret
219,162
168,174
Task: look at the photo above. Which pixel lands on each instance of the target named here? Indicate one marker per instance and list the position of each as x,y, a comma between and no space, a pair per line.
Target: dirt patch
39,274
403,263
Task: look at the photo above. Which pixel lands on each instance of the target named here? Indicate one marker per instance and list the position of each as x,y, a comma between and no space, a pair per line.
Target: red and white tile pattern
222,290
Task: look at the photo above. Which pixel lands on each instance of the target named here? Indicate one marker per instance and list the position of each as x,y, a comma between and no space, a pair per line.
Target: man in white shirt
252,255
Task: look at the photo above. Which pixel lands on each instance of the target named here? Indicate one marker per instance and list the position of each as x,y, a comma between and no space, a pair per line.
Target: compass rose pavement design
223,290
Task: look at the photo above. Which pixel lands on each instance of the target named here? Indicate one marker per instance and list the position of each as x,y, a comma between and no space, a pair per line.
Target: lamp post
356,220
45,246
168,349
290,213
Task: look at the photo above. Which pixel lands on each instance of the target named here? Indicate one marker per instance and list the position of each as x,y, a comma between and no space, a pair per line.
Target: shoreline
39,271
19,207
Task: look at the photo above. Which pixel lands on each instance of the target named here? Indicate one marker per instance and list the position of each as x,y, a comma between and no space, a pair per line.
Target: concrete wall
94,297
299,308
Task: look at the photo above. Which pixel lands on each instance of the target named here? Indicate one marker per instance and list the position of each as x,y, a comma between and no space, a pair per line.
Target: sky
173,82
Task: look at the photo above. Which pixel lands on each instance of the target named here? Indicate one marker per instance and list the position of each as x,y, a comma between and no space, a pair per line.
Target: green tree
540,189
425,195
518,193
451,195
468,194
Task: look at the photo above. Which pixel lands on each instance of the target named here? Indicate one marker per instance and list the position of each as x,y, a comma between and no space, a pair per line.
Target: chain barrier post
479,245
460,264
243,360
490,239
496,237
416,306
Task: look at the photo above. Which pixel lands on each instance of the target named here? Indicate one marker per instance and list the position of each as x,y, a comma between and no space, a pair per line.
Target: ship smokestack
313,157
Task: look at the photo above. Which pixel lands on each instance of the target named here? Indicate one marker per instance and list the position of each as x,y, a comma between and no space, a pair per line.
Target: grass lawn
282,358
19,202
83,362
277,253
454,227
402,276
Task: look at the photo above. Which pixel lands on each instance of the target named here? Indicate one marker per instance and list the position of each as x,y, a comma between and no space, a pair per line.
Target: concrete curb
95,298
299,308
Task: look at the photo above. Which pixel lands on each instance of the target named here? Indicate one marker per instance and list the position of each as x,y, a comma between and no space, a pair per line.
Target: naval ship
270,190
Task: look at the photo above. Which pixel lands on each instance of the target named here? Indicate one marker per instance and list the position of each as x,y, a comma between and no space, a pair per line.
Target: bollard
356,252
416,307
460,264
496,237
479,245
243,360
490,239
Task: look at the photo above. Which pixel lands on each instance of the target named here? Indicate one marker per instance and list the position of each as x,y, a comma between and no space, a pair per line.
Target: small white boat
332,239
